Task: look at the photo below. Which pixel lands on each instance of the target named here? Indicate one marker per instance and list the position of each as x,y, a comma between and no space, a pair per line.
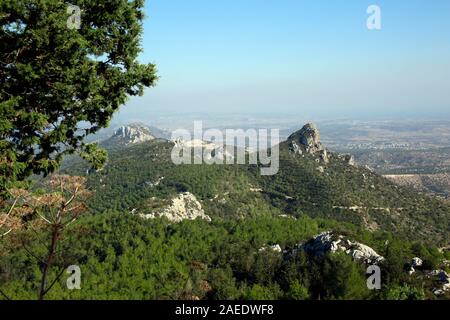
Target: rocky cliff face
183,207
307,141
132,134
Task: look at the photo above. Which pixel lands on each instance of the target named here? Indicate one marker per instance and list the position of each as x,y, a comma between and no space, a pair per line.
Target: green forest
124,257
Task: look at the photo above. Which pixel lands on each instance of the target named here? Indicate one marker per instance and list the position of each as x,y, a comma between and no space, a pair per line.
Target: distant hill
107,133
160,133
437,183
424,161
131,134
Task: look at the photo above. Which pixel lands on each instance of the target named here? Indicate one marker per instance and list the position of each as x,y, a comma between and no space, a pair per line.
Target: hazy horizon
296,57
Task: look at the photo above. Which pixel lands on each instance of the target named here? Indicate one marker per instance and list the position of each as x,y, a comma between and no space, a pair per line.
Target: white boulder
328,242
275,248
415,262
183,207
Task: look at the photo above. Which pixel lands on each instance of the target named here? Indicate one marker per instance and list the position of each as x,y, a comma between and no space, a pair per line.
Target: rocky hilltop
307,141
132,134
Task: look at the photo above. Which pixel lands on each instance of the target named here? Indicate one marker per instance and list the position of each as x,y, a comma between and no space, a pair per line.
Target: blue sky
312,57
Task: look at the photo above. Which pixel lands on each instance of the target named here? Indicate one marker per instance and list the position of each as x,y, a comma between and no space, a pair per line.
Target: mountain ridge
306,184
130,134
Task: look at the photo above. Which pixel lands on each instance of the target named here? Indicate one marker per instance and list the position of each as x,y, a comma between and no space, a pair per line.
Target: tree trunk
46,266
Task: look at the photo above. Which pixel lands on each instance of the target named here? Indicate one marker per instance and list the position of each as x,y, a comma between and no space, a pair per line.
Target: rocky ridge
210,151
133,134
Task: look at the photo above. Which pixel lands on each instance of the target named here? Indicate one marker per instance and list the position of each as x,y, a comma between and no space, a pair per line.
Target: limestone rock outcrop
349,159
275,248
185,206
444,278
211,151
329,242
133,134
307,140
414,264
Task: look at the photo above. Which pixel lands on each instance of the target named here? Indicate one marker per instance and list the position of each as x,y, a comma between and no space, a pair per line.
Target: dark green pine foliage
122,256
59,83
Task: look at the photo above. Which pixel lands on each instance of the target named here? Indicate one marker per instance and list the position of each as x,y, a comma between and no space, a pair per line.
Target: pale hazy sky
291,56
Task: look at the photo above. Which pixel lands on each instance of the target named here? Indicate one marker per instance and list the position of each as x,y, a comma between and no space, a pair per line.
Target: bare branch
72,197
13,206
43,218
6,233
4,295
32,254
53,282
